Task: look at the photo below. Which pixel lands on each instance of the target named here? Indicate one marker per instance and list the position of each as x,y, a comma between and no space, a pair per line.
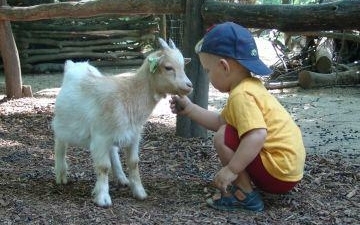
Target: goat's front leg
116,166
100,152
136,186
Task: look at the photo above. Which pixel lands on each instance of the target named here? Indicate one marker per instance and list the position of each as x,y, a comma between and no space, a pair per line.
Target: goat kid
105,113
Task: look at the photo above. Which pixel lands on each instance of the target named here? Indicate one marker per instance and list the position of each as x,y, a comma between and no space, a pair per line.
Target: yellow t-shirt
251,106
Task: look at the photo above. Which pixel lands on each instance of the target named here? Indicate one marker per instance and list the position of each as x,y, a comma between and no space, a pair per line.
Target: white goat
105,113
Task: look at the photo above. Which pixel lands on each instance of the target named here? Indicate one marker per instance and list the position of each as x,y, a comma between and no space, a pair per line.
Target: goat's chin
184,91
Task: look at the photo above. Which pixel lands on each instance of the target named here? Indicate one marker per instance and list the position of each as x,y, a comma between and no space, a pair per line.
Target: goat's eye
168,68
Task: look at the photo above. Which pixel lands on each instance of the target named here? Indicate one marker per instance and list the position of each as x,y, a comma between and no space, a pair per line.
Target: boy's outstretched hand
180,104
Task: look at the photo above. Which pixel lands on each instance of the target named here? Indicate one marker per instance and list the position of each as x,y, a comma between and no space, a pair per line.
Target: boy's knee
227,136
219,137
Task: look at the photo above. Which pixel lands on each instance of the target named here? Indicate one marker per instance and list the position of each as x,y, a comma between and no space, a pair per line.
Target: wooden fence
44,45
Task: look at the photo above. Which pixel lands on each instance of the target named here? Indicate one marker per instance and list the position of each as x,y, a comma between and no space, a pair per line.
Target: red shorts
256,170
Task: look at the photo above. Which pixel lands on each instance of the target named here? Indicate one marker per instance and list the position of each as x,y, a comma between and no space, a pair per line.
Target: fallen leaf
351,193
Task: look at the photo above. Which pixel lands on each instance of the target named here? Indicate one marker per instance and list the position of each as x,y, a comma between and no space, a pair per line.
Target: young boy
257,141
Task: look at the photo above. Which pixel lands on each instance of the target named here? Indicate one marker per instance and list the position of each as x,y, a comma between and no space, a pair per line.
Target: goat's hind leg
116,166
100,152
60,161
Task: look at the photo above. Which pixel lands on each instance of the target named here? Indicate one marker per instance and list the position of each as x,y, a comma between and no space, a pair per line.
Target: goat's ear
154,63
171,44
163,44
187,60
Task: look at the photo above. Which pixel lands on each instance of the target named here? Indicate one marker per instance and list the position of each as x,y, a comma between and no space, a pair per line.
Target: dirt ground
177,172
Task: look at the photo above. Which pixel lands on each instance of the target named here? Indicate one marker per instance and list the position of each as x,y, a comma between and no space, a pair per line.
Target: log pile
104,41
325,59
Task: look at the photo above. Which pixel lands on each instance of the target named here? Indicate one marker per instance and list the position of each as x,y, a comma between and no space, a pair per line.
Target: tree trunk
193,33
10,59
308,79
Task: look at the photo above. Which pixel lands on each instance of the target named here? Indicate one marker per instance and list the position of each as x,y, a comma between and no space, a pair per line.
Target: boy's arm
208,119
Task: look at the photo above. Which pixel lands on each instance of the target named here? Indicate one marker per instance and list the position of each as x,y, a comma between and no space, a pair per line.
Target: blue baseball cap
234,41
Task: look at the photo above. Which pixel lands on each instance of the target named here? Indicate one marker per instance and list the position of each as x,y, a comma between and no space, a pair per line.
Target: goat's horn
163,43
171,43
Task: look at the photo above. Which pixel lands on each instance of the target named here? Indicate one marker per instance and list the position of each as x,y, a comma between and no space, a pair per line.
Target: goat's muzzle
186,89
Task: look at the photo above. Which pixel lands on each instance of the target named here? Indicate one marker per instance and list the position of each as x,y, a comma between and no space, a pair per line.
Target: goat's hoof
140,194
123,181
61,180
103,200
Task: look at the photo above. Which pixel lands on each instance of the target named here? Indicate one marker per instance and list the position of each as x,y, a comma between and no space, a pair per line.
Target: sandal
252,201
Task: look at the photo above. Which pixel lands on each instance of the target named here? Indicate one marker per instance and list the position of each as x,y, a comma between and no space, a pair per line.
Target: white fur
105,113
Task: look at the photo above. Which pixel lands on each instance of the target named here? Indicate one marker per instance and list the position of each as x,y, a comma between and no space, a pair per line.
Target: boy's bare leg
225,154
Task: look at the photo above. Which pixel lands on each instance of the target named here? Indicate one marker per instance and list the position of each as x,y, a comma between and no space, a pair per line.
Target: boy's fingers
222,188
178,107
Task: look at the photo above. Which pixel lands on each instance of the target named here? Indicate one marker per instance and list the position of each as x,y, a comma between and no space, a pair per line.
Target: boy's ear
225,64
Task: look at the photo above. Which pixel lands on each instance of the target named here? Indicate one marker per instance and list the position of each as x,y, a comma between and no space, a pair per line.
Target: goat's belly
77,139
126,138
74,131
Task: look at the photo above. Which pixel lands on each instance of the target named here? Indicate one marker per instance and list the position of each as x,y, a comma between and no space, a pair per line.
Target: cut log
323,55
26,91
308,79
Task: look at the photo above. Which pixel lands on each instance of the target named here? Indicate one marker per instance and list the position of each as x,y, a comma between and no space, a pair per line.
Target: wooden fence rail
91,8
330,16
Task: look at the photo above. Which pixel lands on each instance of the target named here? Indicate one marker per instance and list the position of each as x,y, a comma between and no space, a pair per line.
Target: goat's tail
75,71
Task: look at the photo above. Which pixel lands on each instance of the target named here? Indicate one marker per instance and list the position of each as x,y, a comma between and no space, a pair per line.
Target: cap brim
256,66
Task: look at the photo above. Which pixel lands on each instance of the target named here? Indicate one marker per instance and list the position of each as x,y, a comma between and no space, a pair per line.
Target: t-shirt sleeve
243,113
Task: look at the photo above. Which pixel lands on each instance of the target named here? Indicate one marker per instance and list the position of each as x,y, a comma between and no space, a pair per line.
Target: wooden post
10,57
163,26
193,32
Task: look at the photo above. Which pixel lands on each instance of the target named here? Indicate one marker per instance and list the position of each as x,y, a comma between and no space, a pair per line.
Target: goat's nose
189,84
